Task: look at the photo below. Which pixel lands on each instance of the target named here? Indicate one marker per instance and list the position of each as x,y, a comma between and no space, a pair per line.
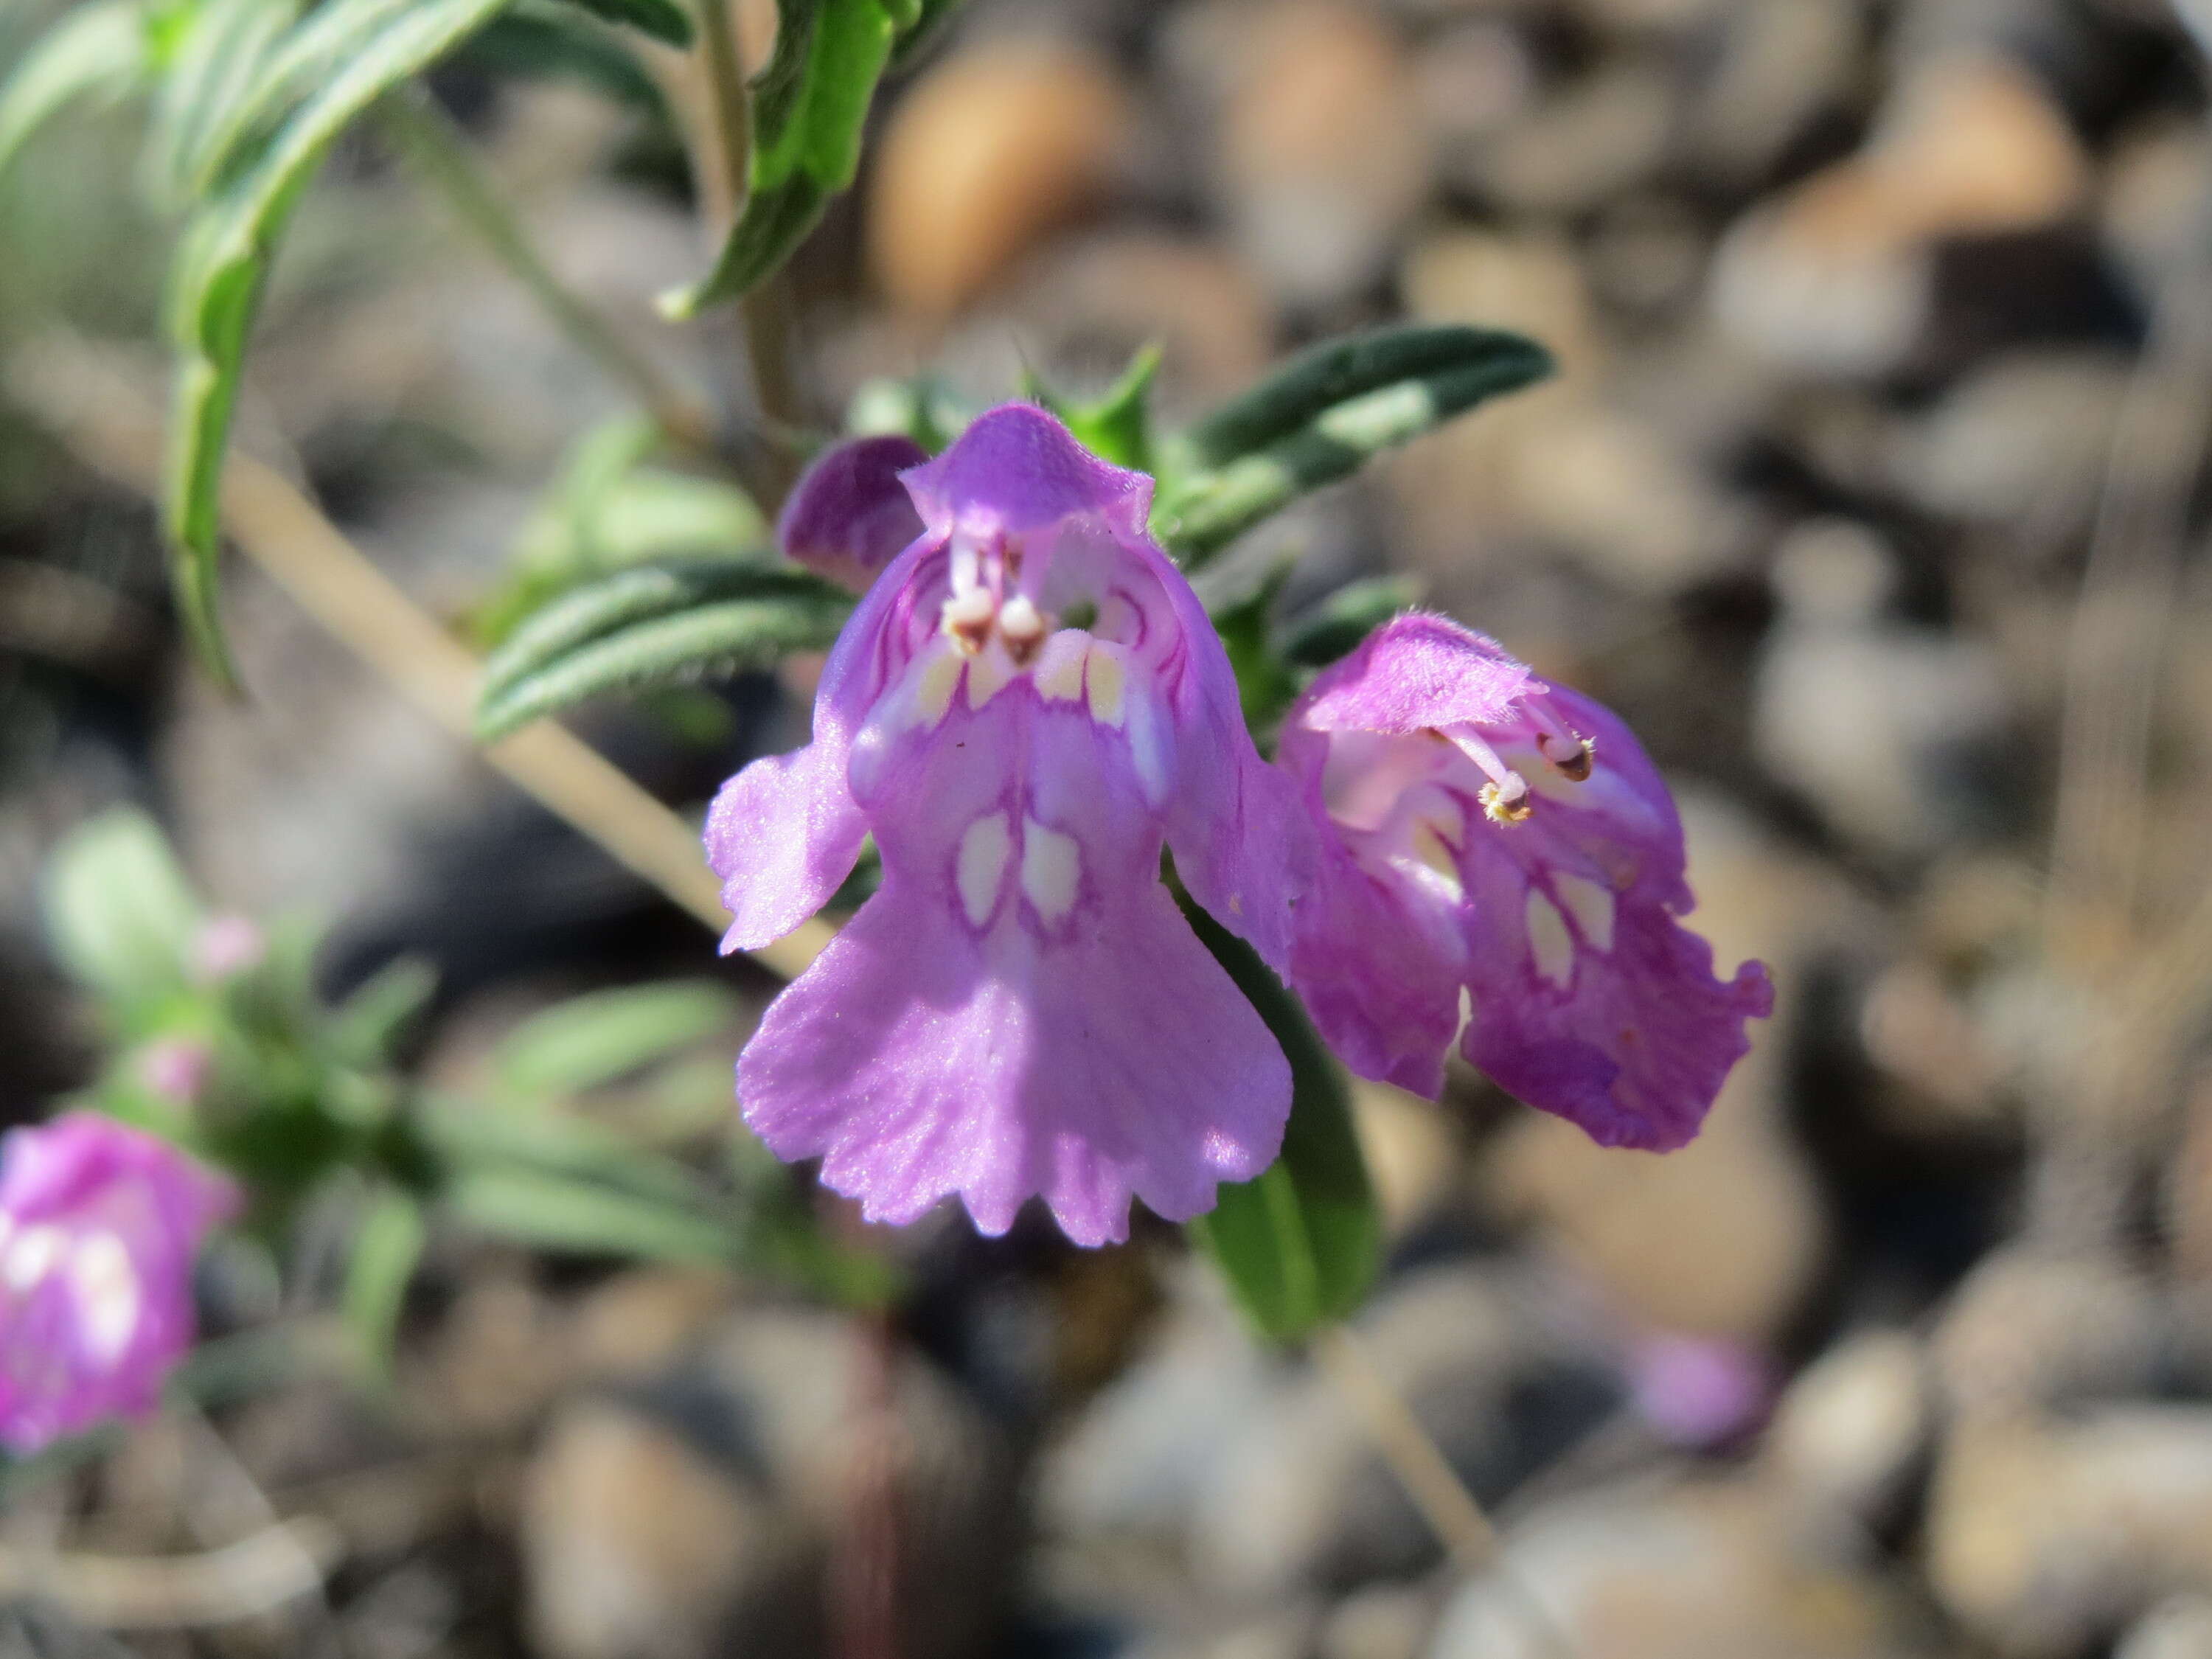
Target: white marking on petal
1549,940
1059,670
933,686
1052,869
1151,744
1439,864
32,1257
988,674
107,1292
1465,1015
1591,906
985,848
1106,682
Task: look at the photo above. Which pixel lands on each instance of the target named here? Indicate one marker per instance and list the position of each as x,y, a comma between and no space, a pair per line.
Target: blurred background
1870,493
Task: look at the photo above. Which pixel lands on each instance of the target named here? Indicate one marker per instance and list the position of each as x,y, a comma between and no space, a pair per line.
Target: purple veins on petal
98,1227
1501,859
1027,704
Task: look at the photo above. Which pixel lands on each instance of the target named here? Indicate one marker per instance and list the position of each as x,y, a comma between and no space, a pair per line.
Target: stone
1835,276
1413,1156
1654,1569
2151,209
1878,723
2179,1628
1381,1621
1776,68
634,1547
1853,1426
2043,1535
2032,1329
1589,142
1485,1359
2023,439
696,1513
641,1322
1322,157
990,150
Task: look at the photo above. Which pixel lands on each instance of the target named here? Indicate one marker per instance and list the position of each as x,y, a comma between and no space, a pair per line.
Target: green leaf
1335,627
1116,426
590,1041
366,1025
551,1212
1320,418
212,61
463,1136
1265,685
922,408
664,20
808,107
1301,1245
386,1249
120,912
717,639
223,260
97,51
556,38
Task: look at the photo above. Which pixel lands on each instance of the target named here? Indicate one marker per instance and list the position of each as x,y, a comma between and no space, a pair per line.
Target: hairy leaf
1300,1245
808,107
1322,416
223,259
97,51
651,628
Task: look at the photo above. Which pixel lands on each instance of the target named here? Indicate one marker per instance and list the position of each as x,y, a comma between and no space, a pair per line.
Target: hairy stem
438,148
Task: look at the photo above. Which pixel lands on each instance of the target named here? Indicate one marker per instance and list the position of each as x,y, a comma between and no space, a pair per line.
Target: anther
1507,802
1571,756
1022,627
967,619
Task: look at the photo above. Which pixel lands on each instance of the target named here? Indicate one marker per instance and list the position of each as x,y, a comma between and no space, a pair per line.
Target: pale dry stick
1446,1505
256,1574
77,390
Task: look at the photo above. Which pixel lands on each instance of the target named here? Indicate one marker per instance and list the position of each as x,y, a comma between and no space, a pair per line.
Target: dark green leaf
591,1040
664,20
1320,418
220,268
1332,628
97,51
555,38
386,1249
1301,1245
1265,683
715,640
808,107
922,408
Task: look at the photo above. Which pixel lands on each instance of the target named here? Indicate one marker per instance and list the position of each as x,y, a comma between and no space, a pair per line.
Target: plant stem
722,156
439,148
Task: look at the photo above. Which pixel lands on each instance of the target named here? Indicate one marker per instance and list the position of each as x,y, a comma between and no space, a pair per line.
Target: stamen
1023,627
1570,756
966,618
1505,798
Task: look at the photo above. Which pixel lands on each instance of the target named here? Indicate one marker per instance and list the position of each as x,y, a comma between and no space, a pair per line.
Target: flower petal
1016,469
1414,673
918,1060
849,515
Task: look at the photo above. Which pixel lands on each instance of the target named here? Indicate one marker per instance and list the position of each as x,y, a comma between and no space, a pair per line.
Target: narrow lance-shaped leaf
808,107
720,639
1116,426
562,1212
664,20
589,1040
219,272
1301,1244
1320,418
213,59
386,1249
96,51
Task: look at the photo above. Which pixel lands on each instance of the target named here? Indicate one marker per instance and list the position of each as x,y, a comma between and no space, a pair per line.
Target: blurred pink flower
1698,1391
99,1225
175,1068
227,946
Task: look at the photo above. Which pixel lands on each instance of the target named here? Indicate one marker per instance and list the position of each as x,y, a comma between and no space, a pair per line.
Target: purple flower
99,1225
1027,703
225,945
849,515
1486,832
1697,1391
175,1068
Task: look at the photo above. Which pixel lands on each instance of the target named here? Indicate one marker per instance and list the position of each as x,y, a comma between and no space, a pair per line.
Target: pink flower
1027,703
1488,834
99,1225
227,945
175,1068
